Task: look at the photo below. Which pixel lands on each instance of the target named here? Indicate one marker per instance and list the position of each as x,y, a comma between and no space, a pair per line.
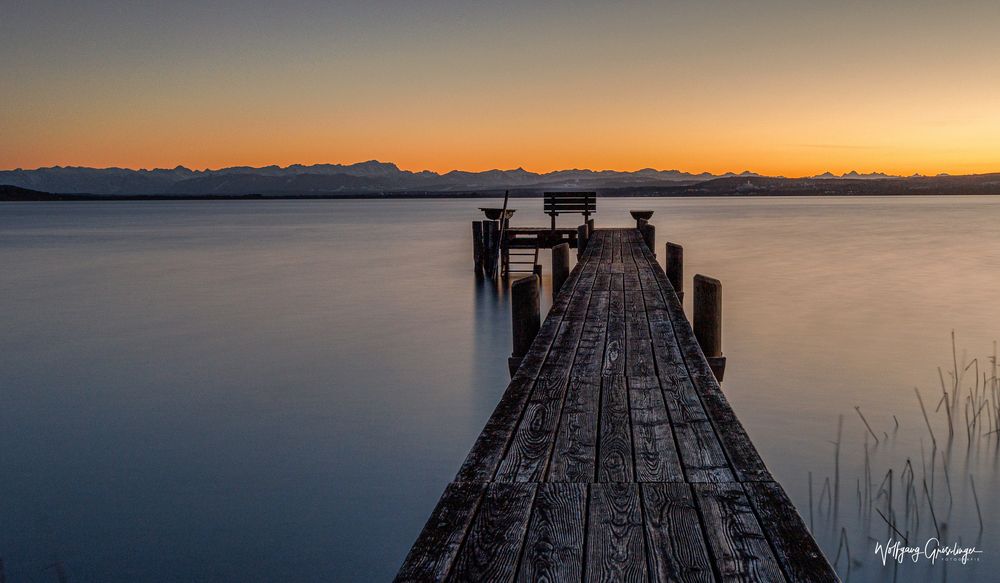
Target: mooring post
477,245
649,234
491,246
525,318
560,267
590,228
708,321
581,240
675,268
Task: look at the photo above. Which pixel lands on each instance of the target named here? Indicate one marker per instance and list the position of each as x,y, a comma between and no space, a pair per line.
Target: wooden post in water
560,267
581,240
477,245
491,246
675,268
525,318
649,234
708,321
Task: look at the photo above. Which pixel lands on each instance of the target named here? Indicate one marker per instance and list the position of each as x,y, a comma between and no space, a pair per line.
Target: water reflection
271,391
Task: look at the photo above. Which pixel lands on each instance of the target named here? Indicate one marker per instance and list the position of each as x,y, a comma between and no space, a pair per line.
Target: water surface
263,391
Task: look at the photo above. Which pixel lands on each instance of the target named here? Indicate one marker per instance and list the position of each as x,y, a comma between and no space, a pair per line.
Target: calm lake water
280,391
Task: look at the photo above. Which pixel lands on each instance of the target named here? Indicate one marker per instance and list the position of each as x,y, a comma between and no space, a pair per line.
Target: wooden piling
477,245
560,267
649,235
581,240
525,318
491,246
590,228
675,268
708,321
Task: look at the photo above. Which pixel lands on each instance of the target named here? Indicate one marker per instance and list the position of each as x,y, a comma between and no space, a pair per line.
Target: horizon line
494,169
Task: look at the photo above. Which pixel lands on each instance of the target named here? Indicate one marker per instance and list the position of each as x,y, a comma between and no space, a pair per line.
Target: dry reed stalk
975,497
924,411
865,421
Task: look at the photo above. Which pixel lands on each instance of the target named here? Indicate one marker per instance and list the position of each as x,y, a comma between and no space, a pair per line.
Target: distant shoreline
622,193
136,187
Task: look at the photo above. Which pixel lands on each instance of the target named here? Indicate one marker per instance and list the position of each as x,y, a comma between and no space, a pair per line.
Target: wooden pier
613,454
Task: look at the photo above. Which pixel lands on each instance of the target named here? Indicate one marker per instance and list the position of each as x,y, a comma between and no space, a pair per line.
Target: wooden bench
570,202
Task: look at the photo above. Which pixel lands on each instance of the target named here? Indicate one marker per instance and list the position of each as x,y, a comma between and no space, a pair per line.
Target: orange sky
777,88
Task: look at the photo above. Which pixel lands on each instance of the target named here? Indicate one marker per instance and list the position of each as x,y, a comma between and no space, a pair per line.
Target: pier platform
613,455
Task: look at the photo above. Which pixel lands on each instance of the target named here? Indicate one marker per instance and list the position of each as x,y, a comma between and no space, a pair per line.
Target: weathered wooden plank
796,550
636,322
701,452
615,544
683,351
615,461
579,300
491,444
675,545
602,281
432,555
655,454
632,281
574,457
614,354
619,237
531,444
492,547
639,356
590,353
481,462
575,451
553,545
739,548
634,303
747,463
681,397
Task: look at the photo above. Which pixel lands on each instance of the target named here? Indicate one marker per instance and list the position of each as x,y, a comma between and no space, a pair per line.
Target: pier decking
613,454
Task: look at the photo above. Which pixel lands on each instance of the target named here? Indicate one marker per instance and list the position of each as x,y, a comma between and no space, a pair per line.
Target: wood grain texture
700,396
738,546
432,555
614,355
794,547
493,545
574,457
488,450
531,444
616,548
614,454
701,452
553,546
675,545
655,451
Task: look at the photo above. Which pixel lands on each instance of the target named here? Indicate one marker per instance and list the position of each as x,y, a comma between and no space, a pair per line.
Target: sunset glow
779,88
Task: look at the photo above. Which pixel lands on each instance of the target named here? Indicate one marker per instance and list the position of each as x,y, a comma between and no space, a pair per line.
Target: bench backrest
570,202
